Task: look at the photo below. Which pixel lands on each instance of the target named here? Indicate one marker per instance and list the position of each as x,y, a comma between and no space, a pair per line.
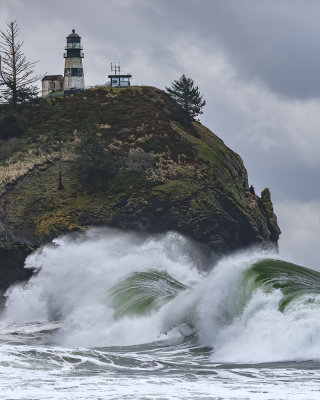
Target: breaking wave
110,288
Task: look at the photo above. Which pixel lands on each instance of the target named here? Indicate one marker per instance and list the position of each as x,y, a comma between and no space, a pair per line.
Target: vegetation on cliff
129,159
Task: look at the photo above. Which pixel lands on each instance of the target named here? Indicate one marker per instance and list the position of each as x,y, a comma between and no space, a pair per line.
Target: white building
120,80
73,70
51,83
117,79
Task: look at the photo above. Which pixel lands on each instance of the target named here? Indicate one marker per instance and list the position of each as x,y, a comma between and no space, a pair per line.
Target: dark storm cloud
274,41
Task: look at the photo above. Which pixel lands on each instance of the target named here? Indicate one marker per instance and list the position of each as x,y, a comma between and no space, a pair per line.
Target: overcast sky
256,62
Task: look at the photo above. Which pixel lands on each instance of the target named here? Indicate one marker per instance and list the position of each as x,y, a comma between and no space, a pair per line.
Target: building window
67,72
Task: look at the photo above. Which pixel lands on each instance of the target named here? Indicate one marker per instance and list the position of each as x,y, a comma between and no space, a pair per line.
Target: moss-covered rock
188,180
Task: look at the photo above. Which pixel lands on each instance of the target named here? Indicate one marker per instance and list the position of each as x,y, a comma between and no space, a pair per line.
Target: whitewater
119,315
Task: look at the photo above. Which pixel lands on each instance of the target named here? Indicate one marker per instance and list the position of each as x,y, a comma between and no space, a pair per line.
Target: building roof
120,76
52,77
73,34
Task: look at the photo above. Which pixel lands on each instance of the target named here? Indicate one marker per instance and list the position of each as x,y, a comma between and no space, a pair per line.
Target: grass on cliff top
128,115
119,108
138,116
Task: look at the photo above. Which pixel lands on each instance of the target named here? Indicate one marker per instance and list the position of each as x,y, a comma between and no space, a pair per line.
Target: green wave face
144,292
293,280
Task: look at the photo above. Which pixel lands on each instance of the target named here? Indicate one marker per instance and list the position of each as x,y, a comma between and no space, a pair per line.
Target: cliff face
168,174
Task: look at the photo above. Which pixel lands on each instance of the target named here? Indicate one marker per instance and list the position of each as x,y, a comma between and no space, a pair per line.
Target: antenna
115,68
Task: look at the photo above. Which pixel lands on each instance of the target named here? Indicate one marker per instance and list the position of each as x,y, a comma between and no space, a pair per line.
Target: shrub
10,127
97,164
8,147
139,160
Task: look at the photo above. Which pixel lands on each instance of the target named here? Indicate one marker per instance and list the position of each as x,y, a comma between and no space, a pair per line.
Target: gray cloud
272,41
301,241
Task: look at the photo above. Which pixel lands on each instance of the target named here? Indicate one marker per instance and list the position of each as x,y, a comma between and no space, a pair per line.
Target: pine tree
16,73
187,95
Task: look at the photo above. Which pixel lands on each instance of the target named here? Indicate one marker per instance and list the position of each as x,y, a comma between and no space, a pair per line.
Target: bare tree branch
16,73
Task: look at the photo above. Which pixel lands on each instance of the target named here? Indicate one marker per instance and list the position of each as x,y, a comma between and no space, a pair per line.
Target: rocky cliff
163,173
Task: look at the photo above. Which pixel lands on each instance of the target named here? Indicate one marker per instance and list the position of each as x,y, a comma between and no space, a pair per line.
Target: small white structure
117,79
73,69
51,83
120,80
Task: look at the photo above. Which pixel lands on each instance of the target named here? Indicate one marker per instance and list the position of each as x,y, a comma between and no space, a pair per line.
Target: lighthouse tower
73,69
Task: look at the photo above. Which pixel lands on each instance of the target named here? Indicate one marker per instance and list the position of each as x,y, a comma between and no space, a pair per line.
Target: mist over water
113,302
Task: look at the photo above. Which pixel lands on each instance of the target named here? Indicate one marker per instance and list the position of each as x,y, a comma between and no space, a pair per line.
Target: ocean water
116,315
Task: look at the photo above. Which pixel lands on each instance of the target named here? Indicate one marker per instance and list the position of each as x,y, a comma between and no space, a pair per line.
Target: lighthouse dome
73,34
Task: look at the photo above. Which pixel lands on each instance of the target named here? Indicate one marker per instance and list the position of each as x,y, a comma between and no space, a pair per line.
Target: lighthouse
73,69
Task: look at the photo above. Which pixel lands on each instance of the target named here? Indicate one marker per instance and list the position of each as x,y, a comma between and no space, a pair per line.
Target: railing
72,47
65,55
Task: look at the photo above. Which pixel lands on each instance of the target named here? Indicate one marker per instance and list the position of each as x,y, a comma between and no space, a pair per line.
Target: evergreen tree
187,95
16,73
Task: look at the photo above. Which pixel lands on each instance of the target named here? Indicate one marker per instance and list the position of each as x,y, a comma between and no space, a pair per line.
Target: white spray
75,275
